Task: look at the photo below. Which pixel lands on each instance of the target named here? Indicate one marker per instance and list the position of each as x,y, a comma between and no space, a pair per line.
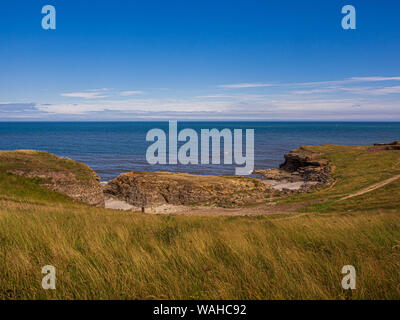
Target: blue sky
128,60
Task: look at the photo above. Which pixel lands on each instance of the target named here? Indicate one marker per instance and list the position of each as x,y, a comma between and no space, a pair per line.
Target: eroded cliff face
143,189
61,175
309,166
302,171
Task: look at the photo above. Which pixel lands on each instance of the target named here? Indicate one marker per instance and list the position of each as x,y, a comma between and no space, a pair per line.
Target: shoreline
150,192
304,170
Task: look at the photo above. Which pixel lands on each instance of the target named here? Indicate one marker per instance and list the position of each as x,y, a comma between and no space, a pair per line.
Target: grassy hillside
105,254
61,175
355,169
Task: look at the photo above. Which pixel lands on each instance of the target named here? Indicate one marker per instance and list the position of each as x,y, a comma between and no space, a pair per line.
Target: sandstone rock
150,189
309,166
277,174
300,158
61,175
302,171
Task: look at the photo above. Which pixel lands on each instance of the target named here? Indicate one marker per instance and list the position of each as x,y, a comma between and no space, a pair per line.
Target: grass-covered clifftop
108,254
61,175
371,172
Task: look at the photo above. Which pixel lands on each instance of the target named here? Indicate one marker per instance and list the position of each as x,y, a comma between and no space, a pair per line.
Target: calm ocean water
111,148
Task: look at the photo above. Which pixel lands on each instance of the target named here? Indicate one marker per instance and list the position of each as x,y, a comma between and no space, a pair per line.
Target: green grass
105,254
355,169
29,160
19,189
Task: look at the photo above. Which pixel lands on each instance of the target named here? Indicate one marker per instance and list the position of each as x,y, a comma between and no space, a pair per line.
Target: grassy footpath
355,169
104,254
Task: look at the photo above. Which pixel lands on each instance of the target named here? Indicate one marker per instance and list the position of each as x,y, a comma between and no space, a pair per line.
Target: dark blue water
111,148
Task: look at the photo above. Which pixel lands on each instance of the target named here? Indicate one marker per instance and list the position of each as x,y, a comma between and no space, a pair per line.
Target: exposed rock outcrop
61,175
150,189
308,165
302,171
386,146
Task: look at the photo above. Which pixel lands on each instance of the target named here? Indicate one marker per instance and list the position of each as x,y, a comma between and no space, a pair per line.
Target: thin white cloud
316,90
245,85
98,90
130,93
139,105
234,96
351,98
85,95
287,107
352,80
375,79
388,90
367,91
100,93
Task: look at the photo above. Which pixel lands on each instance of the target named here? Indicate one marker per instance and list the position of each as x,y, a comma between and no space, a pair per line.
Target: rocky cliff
61,175
142,189
386,146
302,171
307,165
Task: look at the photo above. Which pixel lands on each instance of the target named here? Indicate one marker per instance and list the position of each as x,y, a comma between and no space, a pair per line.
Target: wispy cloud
316,90
363,98
85,95
388,90
98,90
375,79
289,109
352,80
373,90
100,93
130,93
359,86
245,85
357,90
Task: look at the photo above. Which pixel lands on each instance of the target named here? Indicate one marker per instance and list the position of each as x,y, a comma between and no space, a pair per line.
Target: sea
112,148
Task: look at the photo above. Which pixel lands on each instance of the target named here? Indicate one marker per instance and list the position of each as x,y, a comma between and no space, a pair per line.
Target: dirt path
269,208
264,209
371,187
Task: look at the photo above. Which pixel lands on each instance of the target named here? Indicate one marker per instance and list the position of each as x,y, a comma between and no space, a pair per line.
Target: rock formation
308,165
148,189
302,171
387,146
61,175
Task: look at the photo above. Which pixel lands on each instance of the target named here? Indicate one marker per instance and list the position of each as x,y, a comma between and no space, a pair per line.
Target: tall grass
100,254
105,254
